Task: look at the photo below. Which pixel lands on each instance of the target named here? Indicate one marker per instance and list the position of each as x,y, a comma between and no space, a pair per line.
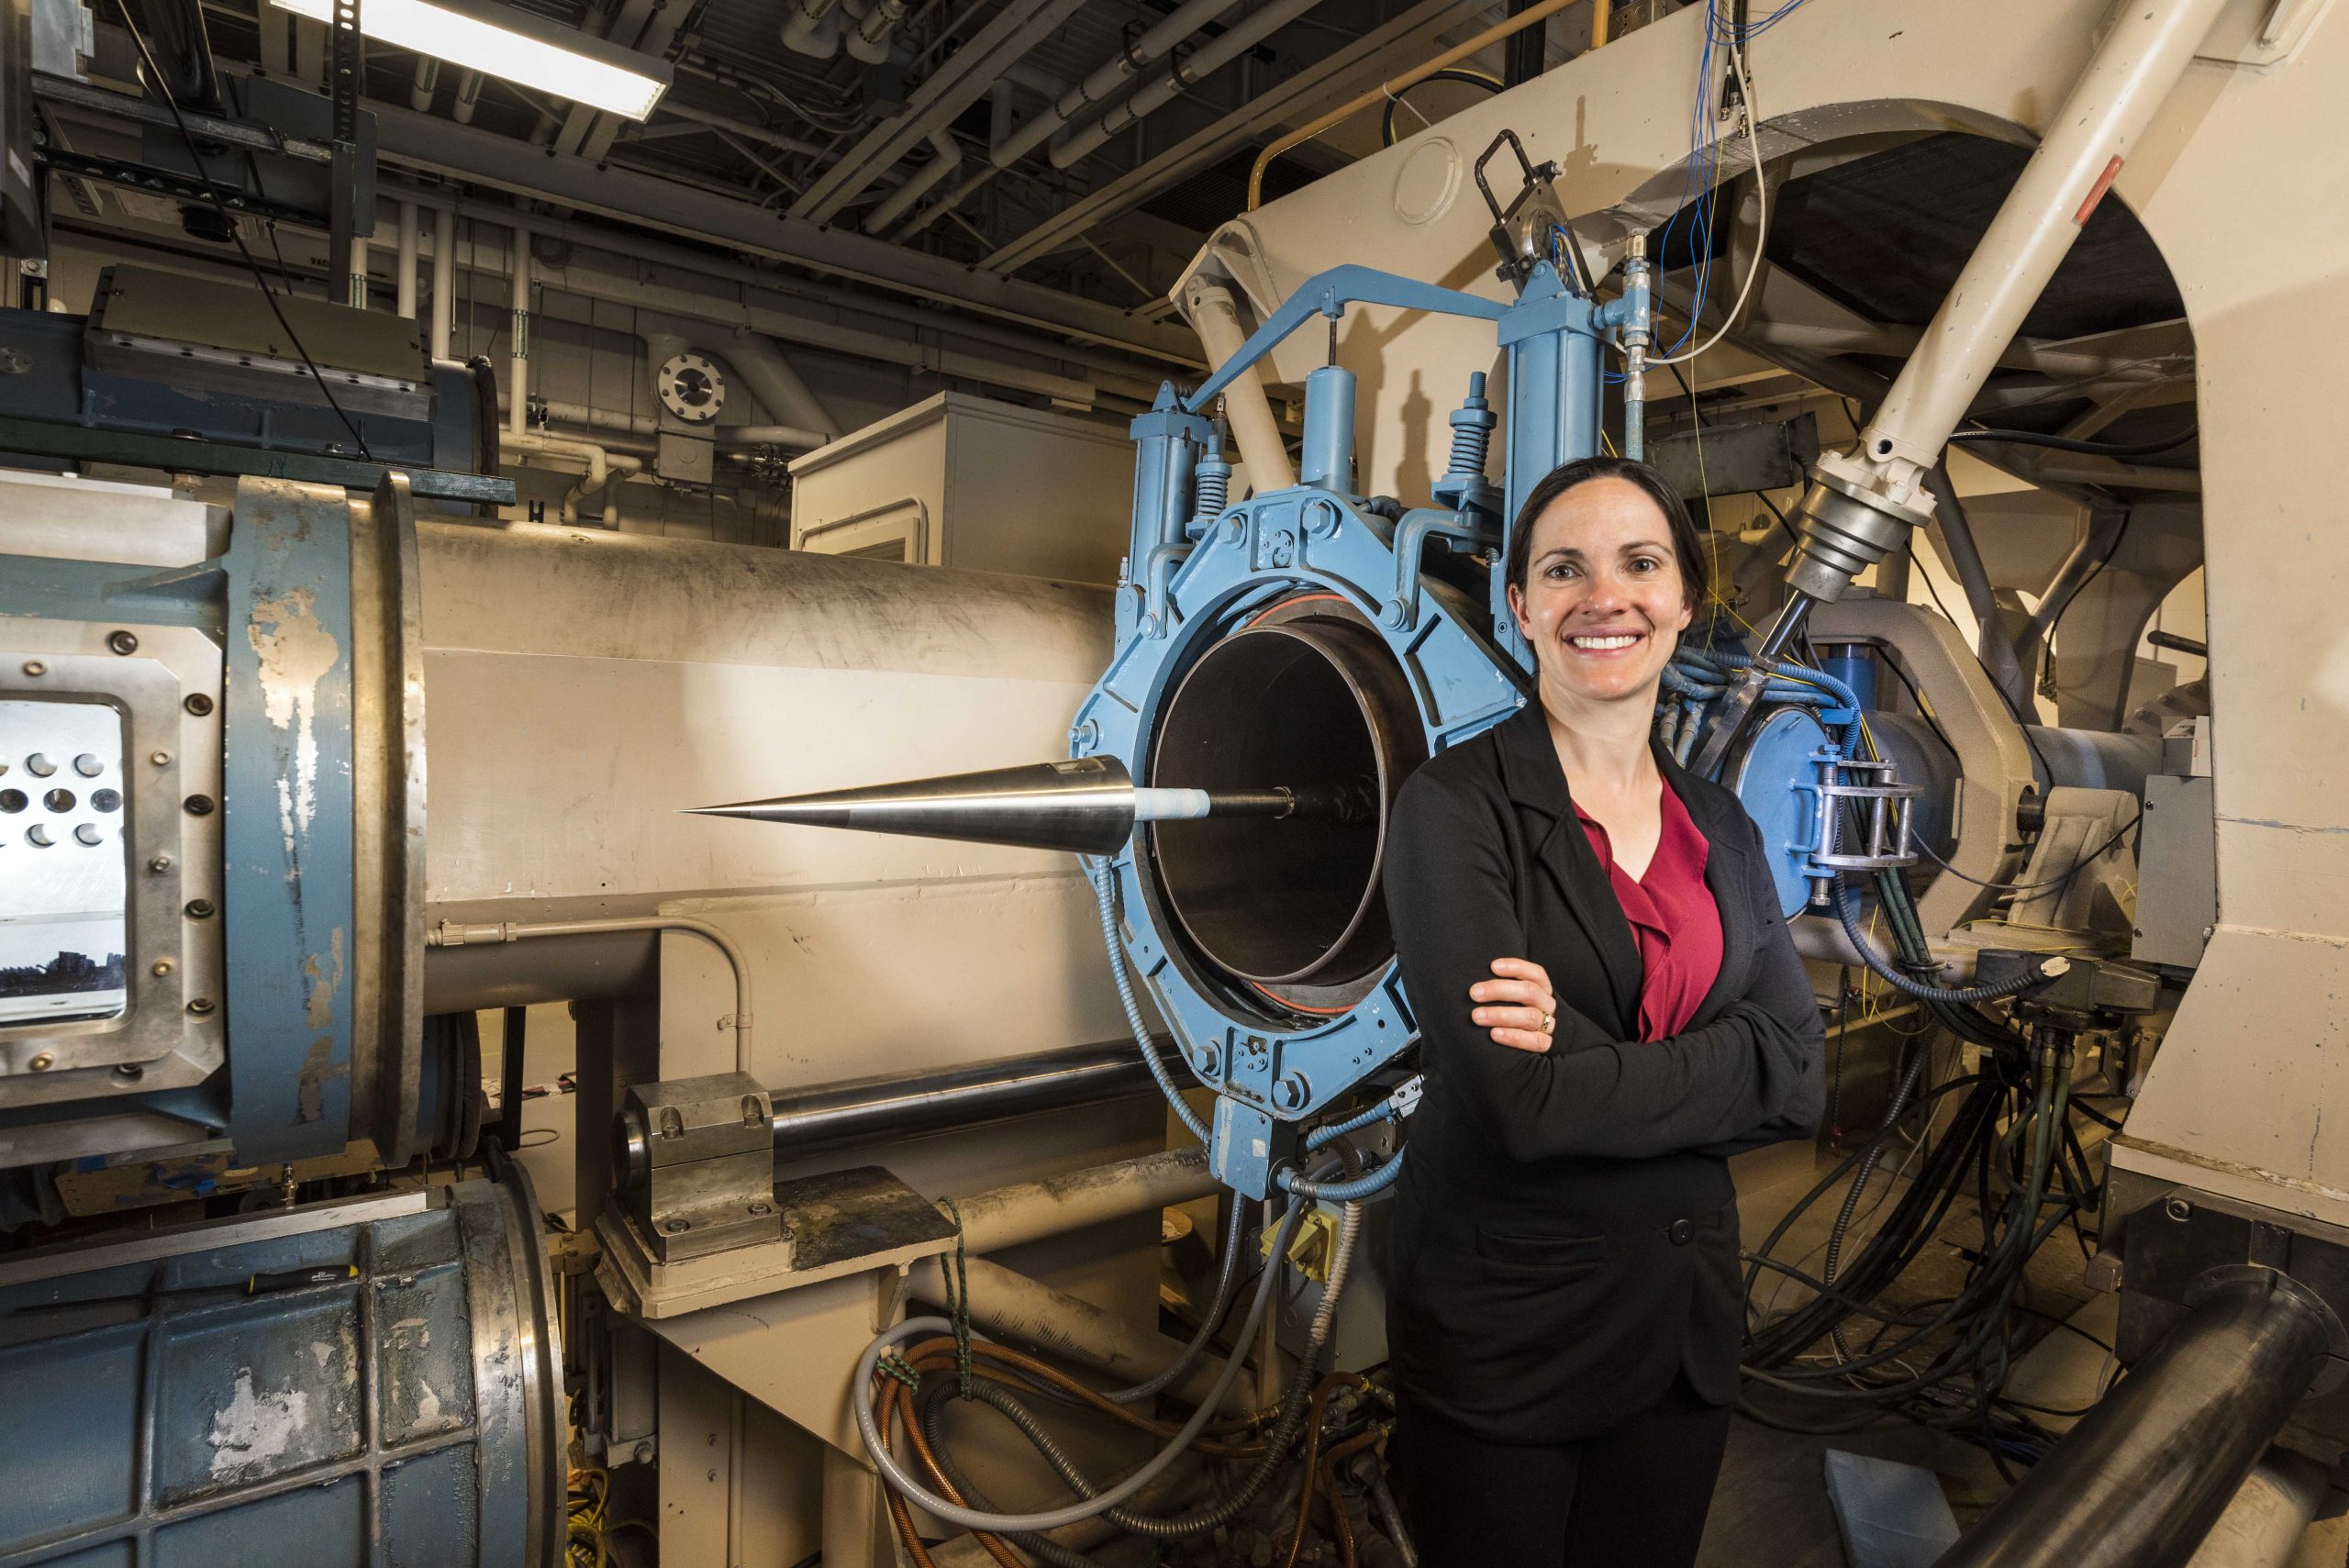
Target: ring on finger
1550,1023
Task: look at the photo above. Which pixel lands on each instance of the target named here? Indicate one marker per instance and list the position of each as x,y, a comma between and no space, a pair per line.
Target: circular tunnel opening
1306,697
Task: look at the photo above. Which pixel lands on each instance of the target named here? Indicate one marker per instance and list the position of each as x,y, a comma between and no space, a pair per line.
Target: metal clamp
1881,805
1518,227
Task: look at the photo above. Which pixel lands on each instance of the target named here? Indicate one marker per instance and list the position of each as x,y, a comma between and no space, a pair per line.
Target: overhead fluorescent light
500,41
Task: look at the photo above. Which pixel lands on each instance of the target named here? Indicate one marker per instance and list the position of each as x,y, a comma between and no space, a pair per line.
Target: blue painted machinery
1326,642
211,870
238,842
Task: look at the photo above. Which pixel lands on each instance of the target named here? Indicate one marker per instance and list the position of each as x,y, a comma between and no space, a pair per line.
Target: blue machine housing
1194,579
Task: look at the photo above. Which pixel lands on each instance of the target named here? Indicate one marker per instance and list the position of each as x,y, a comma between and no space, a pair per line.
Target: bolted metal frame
1883,803
1271,1066
172,855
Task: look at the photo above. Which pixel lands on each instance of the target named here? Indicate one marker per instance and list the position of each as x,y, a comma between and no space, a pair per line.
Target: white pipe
1216,320
2098,126
1111,76
405,292
518,390
774,382
1105,81
600,463
769,436
893,206
450,934
811,29
868,41
444,281
1187,73
468,97
428,82
613,419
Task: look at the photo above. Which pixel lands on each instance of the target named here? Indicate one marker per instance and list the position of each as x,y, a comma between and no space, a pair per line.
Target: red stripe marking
2095,192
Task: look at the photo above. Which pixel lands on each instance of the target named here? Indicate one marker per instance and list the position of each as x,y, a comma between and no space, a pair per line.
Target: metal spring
1472,430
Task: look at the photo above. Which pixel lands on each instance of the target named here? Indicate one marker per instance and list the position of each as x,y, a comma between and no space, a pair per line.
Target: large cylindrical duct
384,1371
2139,1481
584,688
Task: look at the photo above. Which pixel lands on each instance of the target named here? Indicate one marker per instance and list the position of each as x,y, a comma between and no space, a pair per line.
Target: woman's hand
1518,1009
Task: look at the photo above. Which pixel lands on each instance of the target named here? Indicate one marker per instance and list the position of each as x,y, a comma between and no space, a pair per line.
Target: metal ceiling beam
1362,63
962,79
484,157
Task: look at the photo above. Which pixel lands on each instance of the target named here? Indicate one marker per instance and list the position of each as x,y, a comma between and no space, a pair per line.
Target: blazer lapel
1564,851
1725,878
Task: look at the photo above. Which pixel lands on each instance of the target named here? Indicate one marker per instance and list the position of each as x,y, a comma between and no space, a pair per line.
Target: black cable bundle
2009,1144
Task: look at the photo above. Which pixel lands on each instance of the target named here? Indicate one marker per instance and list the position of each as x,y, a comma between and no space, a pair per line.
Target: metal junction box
971,482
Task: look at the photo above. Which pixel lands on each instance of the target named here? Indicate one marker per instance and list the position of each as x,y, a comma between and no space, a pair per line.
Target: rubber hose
931,1412
1224,1285
1293,1403
913,1491
1105,893
1847,913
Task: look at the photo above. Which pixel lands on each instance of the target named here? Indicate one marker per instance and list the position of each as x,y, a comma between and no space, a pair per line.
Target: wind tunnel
1286,910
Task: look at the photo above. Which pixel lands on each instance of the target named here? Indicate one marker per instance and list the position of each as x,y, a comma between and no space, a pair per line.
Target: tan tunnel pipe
1011,1303
1031,1211
403,286
1253,425
1009,1306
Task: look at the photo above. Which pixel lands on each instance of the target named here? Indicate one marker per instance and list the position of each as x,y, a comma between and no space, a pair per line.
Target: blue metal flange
1272,1068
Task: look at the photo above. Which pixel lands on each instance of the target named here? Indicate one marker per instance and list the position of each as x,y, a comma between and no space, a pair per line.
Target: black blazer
1565,1238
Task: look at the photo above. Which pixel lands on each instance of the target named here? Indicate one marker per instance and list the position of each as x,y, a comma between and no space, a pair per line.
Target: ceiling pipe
428,82
692,315
468,98
925,179
444,281
1106,80
868,37
743,128
811,29
404,290
1186,74
517,379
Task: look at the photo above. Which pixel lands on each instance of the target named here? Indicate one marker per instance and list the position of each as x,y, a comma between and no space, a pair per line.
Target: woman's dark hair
1686,543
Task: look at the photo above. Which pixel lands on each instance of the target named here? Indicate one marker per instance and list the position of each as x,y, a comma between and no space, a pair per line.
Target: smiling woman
1609,1006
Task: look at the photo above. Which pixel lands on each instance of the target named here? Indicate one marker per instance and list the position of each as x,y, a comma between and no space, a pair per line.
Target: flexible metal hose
1847,914
907,1486
1105,893
1225,1284
1293,1406
932,1413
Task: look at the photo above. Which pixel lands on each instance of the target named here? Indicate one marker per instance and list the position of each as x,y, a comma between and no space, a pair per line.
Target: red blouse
1673,917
